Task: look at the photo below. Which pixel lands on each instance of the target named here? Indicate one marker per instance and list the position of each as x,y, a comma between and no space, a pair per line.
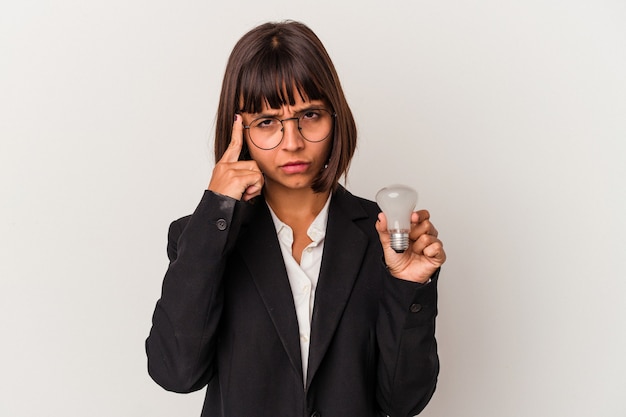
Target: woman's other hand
424,255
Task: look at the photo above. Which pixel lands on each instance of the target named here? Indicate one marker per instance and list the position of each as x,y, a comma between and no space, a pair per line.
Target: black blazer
226,318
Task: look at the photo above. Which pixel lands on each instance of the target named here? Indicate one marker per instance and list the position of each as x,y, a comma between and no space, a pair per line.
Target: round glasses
315,125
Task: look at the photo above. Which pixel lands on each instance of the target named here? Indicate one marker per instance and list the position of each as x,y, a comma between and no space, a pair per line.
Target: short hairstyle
262,67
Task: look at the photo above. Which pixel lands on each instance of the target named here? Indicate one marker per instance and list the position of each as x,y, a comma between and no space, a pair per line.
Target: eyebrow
276,112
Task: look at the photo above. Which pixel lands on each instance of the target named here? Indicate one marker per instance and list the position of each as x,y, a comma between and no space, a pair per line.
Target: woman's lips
296,167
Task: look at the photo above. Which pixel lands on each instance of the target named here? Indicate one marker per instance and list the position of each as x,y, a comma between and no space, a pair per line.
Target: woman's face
295,162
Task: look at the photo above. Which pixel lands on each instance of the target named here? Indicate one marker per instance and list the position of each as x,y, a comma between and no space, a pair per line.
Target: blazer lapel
259,247
344,247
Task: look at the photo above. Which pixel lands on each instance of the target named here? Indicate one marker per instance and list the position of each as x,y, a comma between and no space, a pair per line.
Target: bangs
273,79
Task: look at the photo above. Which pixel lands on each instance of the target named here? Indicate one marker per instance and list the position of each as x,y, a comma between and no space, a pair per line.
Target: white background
508,117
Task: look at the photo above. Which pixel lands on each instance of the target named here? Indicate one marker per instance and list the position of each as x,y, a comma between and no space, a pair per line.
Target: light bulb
397,202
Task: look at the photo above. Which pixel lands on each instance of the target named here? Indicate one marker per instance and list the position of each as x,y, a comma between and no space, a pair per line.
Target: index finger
419,216
236,141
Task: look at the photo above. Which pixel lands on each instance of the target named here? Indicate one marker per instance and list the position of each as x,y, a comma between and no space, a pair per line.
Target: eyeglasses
315,125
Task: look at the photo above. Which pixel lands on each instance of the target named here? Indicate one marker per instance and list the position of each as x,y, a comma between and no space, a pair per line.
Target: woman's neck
295,207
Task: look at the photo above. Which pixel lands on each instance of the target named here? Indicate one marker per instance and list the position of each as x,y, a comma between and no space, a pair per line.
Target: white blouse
303,277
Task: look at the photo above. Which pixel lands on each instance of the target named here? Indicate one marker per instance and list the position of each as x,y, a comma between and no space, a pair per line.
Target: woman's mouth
295,167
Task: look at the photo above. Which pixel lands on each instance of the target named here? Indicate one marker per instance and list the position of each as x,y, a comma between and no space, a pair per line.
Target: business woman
283,295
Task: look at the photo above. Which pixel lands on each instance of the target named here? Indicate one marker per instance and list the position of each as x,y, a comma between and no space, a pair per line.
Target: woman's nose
292,138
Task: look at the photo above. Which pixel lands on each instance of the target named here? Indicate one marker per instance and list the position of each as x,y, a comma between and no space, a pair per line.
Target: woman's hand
424,255
234,178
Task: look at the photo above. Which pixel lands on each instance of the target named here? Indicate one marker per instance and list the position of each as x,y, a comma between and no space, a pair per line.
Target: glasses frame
333,116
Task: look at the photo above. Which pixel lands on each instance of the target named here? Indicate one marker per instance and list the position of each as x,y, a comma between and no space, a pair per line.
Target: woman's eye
311,115
265,123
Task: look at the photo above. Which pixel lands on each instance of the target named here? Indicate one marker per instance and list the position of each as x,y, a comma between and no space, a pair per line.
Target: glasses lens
315,125
266,133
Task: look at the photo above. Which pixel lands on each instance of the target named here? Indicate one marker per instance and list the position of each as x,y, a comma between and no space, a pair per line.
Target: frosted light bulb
397,202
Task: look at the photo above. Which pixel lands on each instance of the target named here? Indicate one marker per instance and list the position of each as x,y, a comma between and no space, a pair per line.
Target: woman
283,294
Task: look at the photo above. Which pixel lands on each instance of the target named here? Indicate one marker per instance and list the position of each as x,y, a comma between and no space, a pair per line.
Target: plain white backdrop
509,117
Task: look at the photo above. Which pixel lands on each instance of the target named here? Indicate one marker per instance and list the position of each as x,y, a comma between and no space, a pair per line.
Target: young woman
283,294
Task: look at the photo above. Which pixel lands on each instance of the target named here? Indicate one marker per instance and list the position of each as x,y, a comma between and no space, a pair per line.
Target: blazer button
415,308
221,224
316,414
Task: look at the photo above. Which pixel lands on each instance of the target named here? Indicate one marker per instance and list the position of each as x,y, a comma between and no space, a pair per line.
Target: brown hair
266,60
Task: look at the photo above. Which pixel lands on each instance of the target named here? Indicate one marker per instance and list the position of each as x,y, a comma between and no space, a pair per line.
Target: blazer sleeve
181,344
408,364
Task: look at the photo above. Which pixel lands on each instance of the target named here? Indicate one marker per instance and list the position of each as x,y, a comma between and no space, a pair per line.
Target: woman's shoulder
353,202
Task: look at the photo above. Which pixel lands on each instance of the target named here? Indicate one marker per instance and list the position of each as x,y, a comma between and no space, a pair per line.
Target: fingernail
236,117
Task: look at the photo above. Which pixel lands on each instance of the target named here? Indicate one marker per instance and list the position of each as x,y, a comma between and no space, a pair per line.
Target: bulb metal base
399,240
